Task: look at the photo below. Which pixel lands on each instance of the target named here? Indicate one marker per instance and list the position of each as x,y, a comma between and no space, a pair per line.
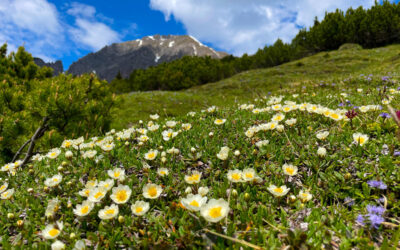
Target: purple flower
348,201
377,184
376,220
384,115
360,219
341,104
396,153
378,210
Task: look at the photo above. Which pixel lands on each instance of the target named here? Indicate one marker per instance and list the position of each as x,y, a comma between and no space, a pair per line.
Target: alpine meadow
166,142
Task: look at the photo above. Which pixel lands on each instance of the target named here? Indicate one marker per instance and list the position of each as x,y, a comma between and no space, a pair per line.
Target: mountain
140,54
57,66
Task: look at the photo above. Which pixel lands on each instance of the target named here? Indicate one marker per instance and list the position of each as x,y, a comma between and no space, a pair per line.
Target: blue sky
68,30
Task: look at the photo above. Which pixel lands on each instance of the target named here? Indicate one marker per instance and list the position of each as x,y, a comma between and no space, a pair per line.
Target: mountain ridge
142,53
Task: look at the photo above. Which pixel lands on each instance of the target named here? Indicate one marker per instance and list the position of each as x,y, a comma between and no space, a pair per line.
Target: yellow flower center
290,171
67,144
219,121
87,192
327,113
195,177
169,134
236,176
55,179
278,190
53,154
122,195
53,232
249,175
151,155
84,209
287,109
109,211
272,125
304,195
2,187
138,209
152,191
117,174
5,194
335,116
98,195
361,140
215,212
194,203
162,172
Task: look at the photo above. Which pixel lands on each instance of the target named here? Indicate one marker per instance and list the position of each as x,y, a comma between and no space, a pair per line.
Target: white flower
7,194
321,152
304,196
97,194
223,153
140,208
215,210
89,154
291,122
169,134
67,144
121,194
151,155
107,184
3,187
237,153
154,117
68,154
262,143
80,245
162,171
219,121
203,191
152,191
186,126
234,175
170,124
52,154
84,208
193,178
108,212
53,181
85,192
57,245
51,231
289,169
249,174
91,184
194,202
278,191
52,207
108,146
280,128
322,135
278,117
117,174
360,139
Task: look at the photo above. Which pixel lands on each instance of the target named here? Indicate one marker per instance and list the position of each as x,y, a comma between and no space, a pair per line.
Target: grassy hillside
331,66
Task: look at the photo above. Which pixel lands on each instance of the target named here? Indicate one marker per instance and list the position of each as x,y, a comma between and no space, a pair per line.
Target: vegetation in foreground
308,166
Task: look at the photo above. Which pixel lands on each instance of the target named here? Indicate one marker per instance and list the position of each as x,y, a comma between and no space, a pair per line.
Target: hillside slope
331,66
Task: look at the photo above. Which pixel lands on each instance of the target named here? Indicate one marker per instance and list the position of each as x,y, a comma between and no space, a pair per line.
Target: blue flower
349,201
384,115
376,220
377,184
377,210
360,219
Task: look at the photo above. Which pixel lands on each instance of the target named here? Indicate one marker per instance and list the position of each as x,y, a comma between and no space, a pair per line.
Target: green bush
70,106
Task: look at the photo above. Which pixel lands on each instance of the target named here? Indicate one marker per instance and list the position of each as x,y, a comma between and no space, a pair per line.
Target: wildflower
53,153
84,208
85,192
57,245
170,124
236,153
91,184
69,154
121,194
321,152
349,201
280,128
193,178
169,134
52,207
7,194
234,175
203,191
289,169
194,202
3,187
278,117
223,153
384,115
375,209
262,143
360,139
89,154
117,174
186,126
97,194
53,181
304,196
162,171
249,174
108,146
151,155
361,220
278,191
215,210
219,121
376,220
108,212
140,208
322,135
67,143
291,122
152,191
154,117
377,184
107,184
52,231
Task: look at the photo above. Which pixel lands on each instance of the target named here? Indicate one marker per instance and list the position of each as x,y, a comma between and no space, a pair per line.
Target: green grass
331,66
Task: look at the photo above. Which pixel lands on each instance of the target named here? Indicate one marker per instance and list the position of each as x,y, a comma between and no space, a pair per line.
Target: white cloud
92,34
88,31
241,26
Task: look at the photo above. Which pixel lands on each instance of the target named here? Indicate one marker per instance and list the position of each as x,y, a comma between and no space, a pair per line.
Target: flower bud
321,152
60,168
246,196
234,193
211,134
10,216
292,198
72,236
192,149
69,154
126,143
64,164
30,190
347,176
20,223
121,219
237,153
188,190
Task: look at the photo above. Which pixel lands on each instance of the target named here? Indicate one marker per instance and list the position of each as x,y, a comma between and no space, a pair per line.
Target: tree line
373,27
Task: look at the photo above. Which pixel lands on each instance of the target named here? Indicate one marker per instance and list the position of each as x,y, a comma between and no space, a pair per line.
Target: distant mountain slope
57,66
139,54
